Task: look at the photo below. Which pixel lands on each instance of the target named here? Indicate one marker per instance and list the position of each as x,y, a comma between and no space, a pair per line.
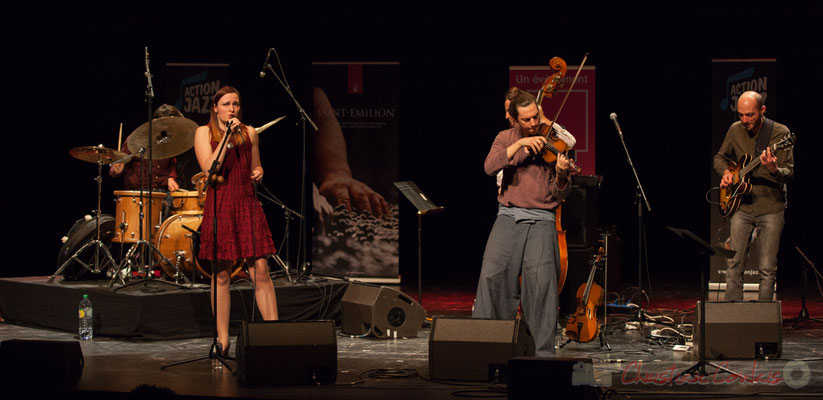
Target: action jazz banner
730,78
190,88
354,167
577,115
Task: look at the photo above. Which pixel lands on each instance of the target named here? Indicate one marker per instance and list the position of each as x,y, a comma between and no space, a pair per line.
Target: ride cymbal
170,136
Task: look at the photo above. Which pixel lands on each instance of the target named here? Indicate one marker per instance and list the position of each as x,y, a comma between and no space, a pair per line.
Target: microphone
613,116
228,133
265,64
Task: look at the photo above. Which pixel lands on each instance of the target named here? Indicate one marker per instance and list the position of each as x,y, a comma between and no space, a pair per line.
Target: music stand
424,206
700,245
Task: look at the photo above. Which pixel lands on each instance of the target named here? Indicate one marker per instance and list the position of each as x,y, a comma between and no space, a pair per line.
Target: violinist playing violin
561,132
523,241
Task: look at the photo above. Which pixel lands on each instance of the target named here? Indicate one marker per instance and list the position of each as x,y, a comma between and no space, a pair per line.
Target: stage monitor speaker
39,364
380,311
751,329
476,349
279,353
563,377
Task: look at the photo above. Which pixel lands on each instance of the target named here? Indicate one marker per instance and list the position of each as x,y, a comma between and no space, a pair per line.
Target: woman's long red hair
238,137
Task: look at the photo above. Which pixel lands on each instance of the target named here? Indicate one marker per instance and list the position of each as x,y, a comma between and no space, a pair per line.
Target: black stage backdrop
73,72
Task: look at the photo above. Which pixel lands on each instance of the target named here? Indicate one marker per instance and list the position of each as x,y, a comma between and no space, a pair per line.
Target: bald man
763,208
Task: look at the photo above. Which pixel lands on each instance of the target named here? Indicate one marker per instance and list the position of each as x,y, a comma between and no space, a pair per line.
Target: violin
582,326
555,145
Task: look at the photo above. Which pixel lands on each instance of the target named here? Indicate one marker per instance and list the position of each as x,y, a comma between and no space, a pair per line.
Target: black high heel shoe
223,352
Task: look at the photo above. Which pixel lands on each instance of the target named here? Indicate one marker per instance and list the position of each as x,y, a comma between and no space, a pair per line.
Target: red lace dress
242,230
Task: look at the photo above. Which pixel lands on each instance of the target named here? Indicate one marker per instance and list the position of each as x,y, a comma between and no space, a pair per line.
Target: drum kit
175,240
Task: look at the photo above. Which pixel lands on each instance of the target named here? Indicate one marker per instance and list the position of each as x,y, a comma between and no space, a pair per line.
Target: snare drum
127,215
185,202
173,240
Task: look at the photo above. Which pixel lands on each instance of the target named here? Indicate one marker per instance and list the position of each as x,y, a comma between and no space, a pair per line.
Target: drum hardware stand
147,249
195,235
707,250
144,248
123,271
97,243
177,275
288,215
214,354
804,312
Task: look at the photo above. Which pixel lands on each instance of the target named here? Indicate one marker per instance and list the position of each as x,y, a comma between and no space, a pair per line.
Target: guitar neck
751,166
755,162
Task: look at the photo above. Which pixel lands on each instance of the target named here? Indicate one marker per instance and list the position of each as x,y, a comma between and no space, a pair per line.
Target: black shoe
223,352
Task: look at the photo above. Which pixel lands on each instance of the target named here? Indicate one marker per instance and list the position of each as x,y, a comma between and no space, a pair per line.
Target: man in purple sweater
523,240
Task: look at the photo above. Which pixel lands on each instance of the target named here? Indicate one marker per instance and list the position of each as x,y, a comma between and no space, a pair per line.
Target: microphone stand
145,246
303,118
804,312
214,354
640,200
288,215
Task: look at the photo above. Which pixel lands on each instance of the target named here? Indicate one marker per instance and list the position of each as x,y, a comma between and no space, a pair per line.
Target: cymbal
96,153
171,136
269,124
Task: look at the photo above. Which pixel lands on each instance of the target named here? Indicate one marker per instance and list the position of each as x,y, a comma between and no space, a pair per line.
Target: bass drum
82,232
174,239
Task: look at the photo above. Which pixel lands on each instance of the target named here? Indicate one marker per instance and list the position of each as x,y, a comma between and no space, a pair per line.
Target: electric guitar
732,195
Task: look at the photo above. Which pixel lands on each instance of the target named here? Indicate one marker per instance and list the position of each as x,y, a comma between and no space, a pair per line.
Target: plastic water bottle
85,312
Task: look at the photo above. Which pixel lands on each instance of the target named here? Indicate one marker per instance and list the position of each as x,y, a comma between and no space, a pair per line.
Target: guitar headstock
786,142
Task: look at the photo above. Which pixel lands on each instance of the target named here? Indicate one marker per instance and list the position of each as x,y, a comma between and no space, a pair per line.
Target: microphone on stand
229,145
265,64
613,116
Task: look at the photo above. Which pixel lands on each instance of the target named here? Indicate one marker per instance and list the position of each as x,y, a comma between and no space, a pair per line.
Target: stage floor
635,367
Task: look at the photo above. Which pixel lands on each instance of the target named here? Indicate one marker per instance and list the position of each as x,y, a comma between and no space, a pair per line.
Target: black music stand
700,245
424,206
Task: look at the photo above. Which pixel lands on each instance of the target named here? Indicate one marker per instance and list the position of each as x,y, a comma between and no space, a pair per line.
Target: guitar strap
764,136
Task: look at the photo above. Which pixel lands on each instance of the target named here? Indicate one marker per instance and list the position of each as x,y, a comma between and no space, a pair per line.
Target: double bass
556,146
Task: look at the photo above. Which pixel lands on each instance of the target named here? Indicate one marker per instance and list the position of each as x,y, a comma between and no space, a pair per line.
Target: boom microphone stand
640,200
215,179
303,118
804,312
288,215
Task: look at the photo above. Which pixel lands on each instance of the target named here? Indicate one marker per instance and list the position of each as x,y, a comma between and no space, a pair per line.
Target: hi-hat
170,136
96,153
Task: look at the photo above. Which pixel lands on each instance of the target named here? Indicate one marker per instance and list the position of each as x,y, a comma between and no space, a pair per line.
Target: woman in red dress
242,231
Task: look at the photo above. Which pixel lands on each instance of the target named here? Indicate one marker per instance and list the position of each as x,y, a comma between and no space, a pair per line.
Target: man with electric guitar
755,162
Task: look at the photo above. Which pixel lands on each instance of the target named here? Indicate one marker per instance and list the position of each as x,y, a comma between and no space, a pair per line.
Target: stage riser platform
169,314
